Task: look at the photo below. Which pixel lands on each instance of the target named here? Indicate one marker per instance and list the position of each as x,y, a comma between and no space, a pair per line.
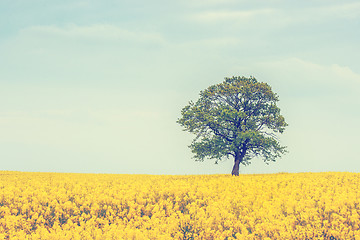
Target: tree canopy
237,118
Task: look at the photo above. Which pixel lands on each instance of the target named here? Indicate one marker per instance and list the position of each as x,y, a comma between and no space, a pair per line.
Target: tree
237,118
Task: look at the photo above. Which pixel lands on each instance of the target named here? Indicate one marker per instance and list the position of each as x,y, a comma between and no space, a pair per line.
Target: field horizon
151,174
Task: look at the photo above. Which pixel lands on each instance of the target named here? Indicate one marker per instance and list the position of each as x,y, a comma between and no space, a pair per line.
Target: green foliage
238,118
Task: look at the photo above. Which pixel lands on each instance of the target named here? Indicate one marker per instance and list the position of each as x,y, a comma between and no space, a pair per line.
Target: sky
97,86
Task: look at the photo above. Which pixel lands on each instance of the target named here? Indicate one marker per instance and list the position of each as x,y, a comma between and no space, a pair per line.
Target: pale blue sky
97,86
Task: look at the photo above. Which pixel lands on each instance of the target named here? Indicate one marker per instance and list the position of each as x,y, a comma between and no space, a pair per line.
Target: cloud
297,77
269,20
80,54
101,32
228,15
213,43
207,3
319,15
344,10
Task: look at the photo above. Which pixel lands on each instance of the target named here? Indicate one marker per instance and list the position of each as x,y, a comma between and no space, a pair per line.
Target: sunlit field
105,206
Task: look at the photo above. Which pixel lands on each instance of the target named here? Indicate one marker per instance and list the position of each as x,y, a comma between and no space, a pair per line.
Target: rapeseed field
106,206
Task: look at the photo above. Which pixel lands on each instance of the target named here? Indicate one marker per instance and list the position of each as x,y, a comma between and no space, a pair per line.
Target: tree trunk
238,159
235,170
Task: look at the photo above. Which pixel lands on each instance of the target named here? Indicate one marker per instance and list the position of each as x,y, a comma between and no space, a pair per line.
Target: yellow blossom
107,206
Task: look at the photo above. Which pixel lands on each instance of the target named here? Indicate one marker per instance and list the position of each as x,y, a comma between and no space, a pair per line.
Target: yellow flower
100,206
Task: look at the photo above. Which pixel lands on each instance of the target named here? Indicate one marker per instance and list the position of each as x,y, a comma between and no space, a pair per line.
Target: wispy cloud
344,10
102,32
324,14
228,15
279,16
208,3
214,42
314,80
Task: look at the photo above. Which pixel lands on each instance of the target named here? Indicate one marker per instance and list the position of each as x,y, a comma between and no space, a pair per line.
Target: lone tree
237,118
